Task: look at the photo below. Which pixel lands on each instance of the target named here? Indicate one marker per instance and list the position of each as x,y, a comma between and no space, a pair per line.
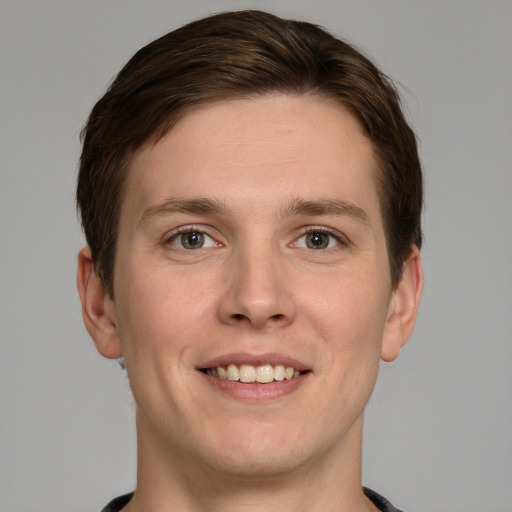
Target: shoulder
379,501
118,503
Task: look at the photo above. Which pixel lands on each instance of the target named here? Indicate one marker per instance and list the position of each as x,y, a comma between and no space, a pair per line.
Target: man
251,197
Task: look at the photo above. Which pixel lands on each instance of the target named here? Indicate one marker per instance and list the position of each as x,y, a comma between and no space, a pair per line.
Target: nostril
240,317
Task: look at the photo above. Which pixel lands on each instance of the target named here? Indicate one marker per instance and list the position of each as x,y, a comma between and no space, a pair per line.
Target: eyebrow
175,205
327,207
297,206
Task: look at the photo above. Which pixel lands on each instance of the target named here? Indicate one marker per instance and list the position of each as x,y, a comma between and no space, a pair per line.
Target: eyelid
337,235
341,238
170,236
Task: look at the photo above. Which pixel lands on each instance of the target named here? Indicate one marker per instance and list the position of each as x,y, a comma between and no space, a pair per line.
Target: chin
256,455
258,464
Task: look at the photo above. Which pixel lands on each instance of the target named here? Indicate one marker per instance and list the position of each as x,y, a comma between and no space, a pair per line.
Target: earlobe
98,310
403,307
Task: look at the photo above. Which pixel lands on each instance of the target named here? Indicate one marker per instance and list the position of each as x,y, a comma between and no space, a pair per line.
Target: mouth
254,374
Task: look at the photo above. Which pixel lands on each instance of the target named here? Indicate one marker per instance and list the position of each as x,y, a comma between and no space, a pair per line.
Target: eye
317,240
192,240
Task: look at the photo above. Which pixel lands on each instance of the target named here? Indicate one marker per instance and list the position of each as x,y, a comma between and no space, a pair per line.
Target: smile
260,374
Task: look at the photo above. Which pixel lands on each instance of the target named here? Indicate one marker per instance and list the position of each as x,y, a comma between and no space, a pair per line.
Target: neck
170,481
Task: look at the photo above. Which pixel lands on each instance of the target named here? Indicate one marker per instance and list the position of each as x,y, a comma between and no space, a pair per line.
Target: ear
403,307
98,310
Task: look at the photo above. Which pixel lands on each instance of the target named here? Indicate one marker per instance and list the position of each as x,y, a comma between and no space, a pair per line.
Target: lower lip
255,392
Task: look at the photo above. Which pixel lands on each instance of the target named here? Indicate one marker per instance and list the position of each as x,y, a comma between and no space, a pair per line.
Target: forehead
272,147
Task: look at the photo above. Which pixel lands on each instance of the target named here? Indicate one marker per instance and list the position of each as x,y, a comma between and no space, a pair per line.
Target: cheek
161,311
346,304
349,318
152,314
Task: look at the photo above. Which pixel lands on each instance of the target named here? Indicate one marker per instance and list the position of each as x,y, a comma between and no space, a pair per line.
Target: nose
258,292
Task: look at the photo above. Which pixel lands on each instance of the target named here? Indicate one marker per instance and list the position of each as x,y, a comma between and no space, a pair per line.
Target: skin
254,288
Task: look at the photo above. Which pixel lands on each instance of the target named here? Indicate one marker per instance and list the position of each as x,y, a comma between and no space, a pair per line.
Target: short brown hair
243,54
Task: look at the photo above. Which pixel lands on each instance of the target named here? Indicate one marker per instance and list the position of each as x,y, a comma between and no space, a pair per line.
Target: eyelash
337,236
188,229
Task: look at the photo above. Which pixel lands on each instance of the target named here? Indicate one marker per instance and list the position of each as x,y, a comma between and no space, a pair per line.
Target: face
251,248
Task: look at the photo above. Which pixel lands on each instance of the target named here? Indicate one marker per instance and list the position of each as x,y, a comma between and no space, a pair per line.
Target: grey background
439,427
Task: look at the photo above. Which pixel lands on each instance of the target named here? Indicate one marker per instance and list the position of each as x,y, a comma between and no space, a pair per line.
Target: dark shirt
380,502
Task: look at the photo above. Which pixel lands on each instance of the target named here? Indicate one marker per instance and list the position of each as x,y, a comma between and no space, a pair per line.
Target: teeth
288,373
247,373
279,372
233,372
265,373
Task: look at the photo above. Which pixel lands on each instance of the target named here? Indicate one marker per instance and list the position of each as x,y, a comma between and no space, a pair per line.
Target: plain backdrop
439,427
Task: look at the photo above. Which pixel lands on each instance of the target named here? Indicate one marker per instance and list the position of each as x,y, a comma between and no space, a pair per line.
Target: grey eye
317,240
192,240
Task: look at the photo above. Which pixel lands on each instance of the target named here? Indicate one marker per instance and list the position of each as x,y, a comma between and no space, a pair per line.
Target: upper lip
239,358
